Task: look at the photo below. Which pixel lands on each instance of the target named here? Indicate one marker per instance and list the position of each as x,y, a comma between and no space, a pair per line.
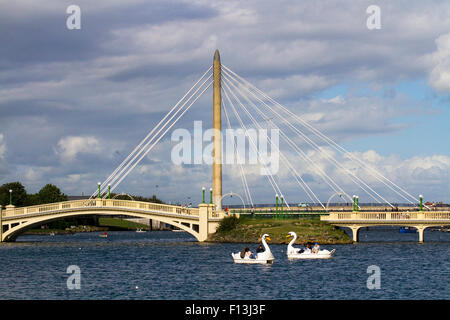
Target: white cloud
69,147
428,175
32,175
440,59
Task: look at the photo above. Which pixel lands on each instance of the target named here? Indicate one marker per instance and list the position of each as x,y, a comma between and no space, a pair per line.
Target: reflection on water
172,265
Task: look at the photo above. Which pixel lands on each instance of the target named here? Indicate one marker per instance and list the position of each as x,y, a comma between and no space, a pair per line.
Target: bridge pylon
217,137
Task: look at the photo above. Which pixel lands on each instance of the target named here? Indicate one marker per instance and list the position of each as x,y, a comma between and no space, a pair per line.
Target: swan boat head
290,248
267,254
291,234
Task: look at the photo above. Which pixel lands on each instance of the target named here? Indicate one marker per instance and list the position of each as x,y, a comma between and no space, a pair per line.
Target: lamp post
421,202
354,203
99,184
357,203
10,197
282,202
109,191
203,192
210,195
276,205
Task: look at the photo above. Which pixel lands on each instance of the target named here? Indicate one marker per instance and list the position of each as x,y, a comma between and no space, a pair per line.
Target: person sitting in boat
250,254
302,249
316,248
260,249
307,248
247,253
244,251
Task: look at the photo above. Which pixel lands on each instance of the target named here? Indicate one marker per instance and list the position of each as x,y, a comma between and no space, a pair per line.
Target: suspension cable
253,144
294,172
314,145
242,173
139,146
330,142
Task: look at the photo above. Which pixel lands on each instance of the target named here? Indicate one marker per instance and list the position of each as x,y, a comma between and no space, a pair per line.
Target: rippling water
172,265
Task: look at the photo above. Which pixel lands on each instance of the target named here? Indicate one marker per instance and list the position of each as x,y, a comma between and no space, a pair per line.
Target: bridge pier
206,227
355,232
420,230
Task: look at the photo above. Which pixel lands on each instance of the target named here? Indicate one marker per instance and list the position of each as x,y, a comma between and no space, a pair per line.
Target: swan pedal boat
265,257
294,253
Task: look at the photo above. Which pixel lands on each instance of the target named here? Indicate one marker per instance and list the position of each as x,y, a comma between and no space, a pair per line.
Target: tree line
48,194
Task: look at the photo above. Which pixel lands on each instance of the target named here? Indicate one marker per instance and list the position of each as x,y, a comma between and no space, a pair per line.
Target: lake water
172,265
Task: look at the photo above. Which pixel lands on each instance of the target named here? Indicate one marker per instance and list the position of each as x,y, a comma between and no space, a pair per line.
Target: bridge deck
388,217
417,219
31,211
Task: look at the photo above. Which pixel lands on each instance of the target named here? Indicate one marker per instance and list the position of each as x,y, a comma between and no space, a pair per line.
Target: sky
74,103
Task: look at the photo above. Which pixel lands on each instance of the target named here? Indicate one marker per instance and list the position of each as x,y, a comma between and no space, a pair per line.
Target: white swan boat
294,253
265,257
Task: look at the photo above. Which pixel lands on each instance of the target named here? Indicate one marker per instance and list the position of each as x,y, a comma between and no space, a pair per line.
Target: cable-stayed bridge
248,108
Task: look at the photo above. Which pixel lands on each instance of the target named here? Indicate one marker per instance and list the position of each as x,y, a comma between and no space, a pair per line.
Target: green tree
228,224
19,194
32,199
50,193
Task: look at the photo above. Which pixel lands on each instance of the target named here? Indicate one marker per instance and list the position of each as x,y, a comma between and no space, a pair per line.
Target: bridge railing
79,204
149,206
382,216
48,207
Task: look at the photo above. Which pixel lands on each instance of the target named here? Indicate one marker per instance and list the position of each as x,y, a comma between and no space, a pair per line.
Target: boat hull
323,254
261,260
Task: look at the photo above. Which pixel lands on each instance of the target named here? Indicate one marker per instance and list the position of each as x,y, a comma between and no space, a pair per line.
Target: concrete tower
217,139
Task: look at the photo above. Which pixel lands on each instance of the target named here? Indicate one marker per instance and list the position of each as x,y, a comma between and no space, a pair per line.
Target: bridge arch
17,228
341,195
231,194
123,194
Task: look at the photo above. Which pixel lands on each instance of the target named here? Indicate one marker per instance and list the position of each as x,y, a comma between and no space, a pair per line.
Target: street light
10,197
276,205
203,192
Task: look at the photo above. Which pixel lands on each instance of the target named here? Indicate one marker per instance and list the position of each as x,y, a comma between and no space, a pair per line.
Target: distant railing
389,216
111,203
